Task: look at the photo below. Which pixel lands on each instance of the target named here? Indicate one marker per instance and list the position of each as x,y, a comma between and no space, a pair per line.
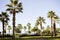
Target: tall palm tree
52,16
4,19
29,27
40,21
14,7
56,20
9,28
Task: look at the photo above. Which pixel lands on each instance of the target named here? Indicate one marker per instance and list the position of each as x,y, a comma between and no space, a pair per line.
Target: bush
22,35
35,35
6,35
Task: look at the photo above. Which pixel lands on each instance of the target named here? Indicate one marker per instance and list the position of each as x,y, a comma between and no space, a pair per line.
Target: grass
34,38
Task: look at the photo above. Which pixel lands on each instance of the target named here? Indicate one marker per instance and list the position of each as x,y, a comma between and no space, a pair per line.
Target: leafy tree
57,30
14,7
47,30
19,27
29,27
9,28
34,29
4,19
40,21
25,28
17,30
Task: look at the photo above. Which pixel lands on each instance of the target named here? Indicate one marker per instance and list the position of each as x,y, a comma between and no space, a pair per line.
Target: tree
25,28
34,29
17,30
57,30
14,7
54,24
9,28
19,27
5,24
47,30
4,19
29,27
52,16
39,21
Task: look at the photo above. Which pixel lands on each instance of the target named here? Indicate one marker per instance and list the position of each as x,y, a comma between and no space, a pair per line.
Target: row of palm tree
53,18
19,28
15,7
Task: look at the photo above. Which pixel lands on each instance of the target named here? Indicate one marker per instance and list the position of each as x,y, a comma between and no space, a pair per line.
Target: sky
32,9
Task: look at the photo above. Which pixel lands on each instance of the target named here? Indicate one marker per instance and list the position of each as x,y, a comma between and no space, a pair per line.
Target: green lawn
34,38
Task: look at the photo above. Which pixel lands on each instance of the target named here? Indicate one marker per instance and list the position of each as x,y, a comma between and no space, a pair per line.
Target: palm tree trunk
13,24
54,26
51,26
3,29
41,27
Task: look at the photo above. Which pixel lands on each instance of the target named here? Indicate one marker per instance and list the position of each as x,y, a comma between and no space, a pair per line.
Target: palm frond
15,2
9,5
19,5
9,9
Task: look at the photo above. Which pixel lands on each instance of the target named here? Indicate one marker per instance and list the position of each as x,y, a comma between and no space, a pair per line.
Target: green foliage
17,30
51,14
29,26
34,29
37,23
46,32
19,26
25,28
23,35
9,27
5,16
14,5
57,30
6,35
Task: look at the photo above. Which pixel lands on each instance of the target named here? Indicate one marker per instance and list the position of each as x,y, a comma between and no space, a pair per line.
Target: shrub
6,35
22,35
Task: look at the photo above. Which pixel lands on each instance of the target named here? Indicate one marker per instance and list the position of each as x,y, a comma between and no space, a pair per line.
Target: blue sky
32,9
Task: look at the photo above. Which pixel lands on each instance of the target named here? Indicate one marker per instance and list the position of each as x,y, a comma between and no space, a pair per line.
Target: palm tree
9,28
4,19
25,28
52,16
56,19
39,21
14,7
19,27
29,27
5,24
